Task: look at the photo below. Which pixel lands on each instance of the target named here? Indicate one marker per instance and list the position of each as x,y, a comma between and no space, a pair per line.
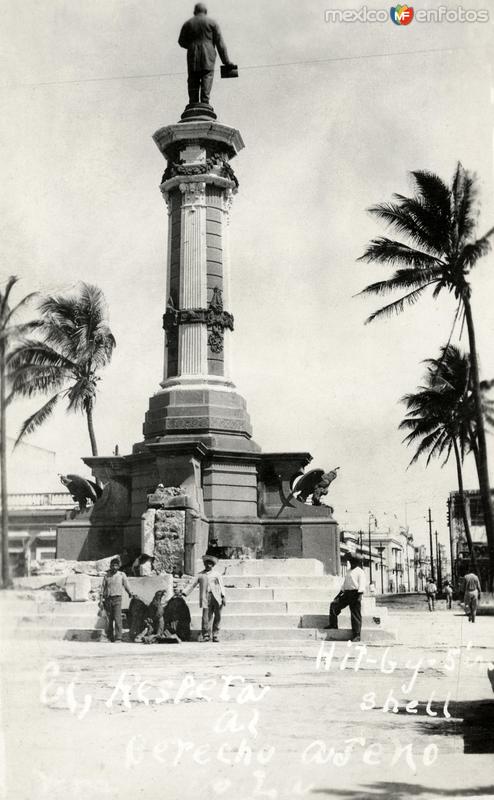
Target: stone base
81,540
197,111
213,414
238,502
304,538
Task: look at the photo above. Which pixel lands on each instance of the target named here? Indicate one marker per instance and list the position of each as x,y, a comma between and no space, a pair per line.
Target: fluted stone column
198,399
192,338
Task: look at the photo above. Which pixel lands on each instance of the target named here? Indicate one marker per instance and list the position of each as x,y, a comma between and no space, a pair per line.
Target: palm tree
74,343
439,221
441,417
10,331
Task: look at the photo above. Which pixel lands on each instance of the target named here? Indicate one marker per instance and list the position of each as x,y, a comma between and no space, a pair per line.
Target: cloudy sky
334,116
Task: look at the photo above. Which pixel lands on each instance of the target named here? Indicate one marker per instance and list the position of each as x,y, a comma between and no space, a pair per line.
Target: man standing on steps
350,595
211,597
201,37
472,596
114,582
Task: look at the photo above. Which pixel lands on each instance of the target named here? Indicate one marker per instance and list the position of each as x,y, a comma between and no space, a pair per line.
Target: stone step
281,593
312,595
376,634
280,568
284,607
229,620
330,583
238,601
271,566
322,607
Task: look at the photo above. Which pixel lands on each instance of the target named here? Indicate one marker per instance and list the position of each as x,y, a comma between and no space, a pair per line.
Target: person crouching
211,598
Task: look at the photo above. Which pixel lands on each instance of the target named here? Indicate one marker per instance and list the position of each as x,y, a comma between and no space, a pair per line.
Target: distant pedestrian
211,597
350,595
472,596
448,591
111,599
431,592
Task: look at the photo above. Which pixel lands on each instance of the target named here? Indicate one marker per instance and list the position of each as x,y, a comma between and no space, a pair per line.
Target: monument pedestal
197,435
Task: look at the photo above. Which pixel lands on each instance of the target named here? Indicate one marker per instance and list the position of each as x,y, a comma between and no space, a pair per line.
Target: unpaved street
254,720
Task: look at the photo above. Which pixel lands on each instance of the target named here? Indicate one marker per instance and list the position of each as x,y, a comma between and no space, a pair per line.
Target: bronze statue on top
201,37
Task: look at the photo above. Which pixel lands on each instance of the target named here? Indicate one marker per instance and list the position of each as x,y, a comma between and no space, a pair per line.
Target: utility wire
243,69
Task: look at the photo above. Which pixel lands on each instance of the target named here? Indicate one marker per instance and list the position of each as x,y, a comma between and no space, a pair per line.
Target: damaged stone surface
163,529
169,533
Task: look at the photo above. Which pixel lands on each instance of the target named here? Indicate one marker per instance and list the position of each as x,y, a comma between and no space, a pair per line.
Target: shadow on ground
473,720
401,791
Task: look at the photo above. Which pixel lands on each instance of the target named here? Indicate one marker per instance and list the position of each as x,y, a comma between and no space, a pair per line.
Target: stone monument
197,435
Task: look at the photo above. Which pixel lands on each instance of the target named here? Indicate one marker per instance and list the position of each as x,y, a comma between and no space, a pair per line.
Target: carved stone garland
215,160
214,316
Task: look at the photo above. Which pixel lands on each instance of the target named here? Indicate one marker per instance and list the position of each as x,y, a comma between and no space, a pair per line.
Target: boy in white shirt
350,595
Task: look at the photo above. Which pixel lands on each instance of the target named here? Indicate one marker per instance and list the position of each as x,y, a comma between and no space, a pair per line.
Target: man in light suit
201,37
211,597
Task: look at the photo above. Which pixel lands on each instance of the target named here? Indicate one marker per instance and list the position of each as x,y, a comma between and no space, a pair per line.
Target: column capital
179,181
194,193
228,199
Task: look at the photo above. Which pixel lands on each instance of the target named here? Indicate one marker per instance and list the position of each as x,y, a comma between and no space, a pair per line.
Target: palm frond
37,419
9,313
448,453
433,192
32,379
15,332
5,294
81,394
33,352
398,216
474,250
73,342
402,279
398,305
441,413
434,228
62,308
388,251
463,204
428,444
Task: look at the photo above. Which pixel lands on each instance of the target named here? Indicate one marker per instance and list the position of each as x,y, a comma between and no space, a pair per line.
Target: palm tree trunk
483,467
464,515
6,580
90,427
474,446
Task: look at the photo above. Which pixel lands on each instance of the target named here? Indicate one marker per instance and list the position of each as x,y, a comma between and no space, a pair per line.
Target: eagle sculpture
81,489
315,483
